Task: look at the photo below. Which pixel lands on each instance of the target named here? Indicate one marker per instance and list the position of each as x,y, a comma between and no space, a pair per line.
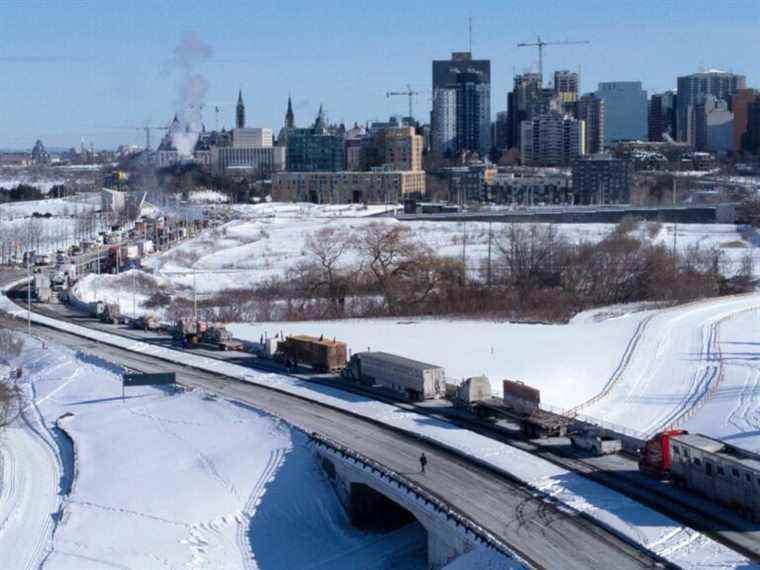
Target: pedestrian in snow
423,462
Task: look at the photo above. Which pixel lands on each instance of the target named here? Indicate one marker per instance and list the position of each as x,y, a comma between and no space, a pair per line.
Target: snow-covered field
64,207
682,546
568,363
165,480
270,239
694,366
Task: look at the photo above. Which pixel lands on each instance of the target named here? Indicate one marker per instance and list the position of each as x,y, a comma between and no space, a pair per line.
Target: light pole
195,299
134,287
29,296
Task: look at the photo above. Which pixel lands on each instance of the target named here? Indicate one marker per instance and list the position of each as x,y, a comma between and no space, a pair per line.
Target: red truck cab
655,458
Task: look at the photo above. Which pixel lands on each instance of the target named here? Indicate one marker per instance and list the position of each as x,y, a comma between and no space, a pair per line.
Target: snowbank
168,480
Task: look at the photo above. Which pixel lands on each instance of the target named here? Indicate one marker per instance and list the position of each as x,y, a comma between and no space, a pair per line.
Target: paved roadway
547,536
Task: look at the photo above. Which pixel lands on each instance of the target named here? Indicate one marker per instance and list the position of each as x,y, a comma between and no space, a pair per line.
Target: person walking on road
423,463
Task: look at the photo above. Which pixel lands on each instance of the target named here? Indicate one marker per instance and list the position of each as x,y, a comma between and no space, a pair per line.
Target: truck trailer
412,379
321,354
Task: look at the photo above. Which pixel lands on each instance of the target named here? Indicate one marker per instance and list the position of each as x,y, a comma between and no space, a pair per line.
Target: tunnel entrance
373,511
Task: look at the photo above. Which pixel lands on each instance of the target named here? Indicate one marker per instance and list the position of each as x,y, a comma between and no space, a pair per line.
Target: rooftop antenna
469,29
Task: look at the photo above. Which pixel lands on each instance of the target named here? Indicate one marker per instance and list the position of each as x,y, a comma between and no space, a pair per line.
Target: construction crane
408,93
539,43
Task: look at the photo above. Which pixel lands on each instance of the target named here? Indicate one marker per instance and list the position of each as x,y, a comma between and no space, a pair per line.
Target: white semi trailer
412,379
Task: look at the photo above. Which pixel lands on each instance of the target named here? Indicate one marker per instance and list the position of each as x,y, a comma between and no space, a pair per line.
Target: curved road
547,536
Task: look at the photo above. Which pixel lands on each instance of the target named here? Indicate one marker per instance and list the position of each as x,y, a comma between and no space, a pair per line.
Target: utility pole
490,236
195,299
29,296
134,289
464,253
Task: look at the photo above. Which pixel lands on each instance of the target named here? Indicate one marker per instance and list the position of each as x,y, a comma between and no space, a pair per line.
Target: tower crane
539,43
408,93
147,128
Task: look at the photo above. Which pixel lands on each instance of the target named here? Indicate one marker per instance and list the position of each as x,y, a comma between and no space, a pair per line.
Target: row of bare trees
535,274
11,397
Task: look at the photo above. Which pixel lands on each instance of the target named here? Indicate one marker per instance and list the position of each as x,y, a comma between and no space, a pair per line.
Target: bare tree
325,271
11,397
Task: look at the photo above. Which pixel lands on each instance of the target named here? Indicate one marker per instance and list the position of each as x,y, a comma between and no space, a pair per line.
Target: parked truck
109,313
147,323
412,379
219,337
189,331
319,353
596,442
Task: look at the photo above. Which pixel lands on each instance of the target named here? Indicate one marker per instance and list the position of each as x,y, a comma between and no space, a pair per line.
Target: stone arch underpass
378,499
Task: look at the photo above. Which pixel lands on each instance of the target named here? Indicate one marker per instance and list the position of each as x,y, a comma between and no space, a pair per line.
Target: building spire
290,119
240,111
320,122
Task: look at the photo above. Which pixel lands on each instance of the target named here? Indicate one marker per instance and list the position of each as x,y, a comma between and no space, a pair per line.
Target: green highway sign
161,378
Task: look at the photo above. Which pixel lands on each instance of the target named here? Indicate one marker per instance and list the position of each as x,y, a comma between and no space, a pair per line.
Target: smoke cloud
189,54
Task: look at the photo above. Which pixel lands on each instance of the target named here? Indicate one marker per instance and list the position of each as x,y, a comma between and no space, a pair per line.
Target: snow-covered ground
682,546
271,237
64,207
165,480
568,363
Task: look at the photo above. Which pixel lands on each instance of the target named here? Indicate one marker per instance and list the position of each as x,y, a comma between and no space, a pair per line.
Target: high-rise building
739,103
751,138
662,116
590,109
713,125
240,111
461,104
552,139
403,149
501,131
521,100
691,88
625,110
601,179
566,85
315,149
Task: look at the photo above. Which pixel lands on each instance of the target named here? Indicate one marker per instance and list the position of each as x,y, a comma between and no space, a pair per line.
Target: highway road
542,533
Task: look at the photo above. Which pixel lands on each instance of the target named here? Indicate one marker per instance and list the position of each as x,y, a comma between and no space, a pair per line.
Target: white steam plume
190,52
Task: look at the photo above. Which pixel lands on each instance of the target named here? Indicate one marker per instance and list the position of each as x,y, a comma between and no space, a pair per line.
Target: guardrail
479,533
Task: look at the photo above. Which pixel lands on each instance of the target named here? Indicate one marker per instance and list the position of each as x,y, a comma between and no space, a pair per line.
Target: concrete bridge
379,499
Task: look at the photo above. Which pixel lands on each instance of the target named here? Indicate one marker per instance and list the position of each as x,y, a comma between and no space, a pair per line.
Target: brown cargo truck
321,354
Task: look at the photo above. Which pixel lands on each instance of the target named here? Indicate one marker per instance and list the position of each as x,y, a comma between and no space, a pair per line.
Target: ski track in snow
639,385
276,458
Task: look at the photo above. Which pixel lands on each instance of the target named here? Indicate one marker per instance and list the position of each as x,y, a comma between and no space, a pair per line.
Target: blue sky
73,69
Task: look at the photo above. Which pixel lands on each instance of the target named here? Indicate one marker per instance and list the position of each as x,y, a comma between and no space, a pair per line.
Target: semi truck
219,337
108,312
319,353
189,331
412,379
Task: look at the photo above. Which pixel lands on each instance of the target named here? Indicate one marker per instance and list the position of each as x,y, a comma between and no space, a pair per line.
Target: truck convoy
321,354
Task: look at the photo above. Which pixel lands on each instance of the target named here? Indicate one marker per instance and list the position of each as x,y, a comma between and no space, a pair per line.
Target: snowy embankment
682,546
166,481
679,375
568,363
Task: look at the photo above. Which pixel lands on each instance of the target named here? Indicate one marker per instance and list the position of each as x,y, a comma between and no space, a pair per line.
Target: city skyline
104,72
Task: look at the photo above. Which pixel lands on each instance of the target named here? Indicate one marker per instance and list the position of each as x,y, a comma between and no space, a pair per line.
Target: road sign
160,378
